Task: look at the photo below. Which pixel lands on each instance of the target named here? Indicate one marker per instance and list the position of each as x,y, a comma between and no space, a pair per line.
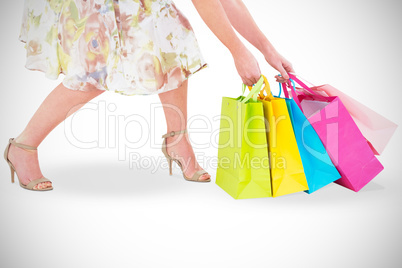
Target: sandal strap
174,133
198,174
32,184
24,146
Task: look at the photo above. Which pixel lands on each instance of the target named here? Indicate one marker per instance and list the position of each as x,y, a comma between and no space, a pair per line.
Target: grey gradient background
103,213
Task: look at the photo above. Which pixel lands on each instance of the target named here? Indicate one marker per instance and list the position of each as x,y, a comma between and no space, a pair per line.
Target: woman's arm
214,16
243,22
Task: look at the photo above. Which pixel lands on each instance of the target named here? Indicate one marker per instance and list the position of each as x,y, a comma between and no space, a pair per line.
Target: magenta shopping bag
345,144
377,129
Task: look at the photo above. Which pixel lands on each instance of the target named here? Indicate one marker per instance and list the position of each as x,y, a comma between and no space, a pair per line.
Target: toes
42,185
38,186
47,184
205,177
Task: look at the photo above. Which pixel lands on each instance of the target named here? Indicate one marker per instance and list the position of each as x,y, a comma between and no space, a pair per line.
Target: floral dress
133,47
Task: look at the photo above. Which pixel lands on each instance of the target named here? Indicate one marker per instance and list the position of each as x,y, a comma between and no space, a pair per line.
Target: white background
104,213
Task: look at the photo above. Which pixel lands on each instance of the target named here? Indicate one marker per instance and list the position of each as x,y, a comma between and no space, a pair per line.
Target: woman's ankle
24,139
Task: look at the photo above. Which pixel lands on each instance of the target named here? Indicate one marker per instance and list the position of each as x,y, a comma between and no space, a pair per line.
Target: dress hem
120,91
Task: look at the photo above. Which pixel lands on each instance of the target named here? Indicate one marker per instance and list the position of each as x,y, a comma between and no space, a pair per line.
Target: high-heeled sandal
31,184
197,175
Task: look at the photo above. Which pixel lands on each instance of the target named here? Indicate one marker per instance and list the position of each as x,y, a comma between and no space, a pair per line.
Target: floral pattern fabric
133,47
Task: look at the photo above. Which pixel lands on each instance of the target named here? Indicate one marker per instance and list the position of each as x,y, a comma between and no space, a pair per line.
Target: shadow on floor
116,179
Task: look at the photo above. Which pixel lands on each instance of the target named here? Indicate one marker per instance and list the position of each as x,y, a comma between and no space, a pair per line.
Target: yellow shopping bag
287,173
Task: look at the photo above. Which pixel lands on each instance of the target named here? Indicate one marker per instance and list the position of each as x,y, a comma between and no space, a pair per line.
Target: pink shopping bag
344,142
377,129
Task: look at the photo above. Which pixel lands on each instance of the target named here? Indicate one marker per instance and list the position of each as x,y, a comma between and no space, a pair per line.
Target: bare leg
58,105
175,107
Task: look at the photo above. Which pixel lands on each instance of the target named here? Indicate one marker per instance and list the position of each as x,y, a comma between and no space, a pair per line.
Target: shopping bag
287,173
341,137
377,129
318,167
243,161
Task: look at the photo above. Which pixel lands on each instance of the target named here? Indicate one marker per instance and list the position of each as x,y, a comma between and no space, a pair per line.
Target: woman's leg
175,107
58,105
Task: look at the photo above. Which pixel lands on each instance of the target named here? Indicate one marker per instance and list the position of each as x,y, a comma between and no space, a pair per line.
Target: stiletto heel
12,174
31,184
170,166
197,175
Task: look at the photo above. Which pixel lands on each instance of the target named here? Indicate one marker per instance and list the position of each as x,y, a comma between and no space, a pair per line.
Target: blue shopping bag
318,167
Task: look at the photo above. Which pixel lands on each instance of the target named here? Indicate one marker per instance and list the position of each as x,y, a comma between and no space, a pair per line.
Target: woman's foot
179,147
26,164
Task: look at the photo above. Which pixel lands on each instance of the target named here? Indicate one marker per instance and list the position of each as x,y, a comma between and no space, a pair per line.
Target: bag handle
267,89
291,84
303,80
284,91
254,90
293,76
293,79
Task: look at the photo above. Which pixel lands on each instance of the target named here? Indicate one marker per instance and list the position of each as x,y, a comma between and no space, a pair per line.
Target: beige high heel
31,184
197,175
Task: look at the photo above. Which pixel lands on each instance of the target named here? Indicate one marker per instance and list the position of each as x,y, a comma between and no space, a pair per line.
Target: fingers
255,76
251,80
280,79
247,82
255,79
290,69
283,72
284,69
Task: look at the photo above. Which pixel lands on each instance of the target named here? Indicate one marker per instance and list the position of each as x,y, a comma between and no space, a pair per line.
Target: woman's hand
247,66
219,18
278,62
213,14
243,22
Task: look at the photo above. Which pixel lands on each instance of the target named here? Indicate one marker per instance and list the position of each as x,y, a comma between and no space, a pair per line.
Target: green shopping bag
243,161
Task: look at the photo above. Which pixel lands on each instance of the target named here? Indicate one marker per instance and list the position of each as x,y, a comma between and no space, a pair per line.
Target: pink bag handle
297,80
292,86
303,80
285,91
311,91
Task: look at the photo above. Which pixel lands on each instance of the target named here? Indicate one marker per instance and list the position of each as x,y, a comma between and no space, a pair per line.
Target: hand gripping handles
257,89
253,90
